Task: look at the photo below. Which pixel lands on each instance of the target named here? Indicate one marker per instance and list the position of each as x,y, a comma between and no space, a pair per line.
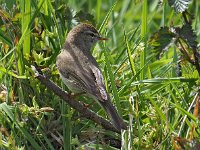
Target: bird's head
84,35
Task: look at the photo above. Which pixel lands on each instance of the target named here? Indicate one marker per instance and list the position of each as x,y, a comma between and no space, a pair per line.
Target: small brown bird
80,71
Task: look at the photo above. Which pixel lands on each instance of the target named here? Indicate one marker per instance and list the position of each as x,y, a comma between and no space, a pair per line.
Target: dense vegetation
150,64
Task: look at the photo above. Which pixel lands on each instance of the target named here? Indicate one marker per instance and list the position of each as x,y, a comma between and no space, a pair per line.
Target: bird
80,71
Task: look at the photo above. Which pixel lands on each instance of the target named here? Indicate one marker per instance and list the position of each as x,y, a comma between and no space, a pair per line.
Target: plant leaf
179,5
161,40
187,34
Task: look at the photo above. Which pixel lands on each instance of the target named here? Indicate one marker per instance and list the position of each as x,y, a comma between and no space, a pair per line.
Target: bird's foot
89,105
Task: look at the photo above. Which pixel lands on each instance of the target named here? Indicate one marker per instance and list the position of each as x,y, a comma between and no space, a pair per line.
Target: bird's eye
92,34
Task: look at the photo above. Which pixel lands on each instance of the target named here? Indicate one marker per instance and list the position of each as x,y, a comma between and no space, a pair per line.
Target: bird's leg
89,105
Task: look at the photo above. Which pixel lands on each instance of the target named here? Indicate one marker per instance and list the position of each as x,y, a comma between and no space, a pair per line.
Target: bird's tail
113,114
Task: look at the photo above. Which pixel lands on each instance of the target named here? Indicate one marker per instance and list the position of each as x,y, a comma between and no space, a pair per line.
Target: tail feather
113,114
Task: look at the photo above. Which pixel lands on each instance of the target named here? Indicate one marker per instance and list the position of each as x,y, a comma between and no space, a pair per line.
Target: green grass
152,99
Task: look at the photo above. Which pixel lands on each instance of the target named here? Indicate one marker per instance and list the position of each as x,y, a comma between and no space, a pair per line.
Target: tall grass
153,100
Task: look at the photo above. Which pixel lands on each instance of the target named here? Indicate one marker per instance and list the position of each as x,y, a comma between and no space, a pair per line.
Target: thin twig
185,17
185,52
194,62
196,59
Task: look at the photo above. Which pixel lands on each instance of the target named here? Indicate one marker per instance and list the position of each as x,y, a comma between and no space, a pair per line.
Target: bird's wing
99,82
93,76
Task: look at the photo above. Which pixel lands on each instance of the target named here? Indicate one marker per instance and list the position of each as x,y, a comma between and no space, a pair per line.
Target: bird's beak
102,39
